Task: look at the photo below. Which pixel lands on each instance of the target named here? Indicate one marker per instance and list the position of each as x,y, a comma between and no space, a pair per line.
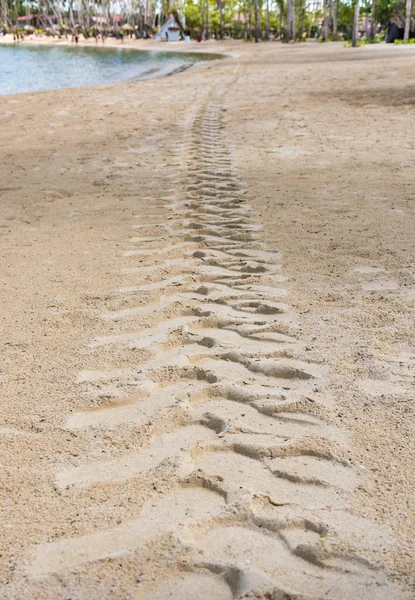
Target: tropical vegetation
286,20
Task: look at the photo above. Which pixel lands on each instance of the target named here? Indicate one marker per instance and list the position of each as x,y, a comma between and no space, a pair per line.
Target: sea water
31,68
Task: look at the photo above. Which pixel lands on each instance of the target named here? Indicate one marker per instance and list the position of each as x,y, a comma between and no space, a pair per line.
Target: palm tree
303,9
408,16
256,21
333,12
290,34
220,7
282,13
202,17
268,22
326,21
355,24
372,20
207,19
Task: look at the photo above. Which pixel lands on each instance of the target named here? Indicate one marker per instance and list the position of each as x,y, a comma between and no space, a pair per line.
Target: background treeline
287,20
294,19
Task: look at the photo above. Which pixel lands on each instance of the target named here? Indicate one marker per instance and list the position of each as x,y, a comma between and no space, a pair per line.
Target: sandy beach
207,330
225,47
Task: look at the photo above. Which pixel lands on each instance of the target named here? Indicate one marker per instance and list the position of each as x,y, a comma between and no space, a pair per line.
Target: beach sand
207,366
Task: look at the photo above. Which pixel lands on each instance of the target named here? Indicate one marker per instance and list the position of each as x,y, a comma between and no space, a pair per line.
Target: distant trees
288,20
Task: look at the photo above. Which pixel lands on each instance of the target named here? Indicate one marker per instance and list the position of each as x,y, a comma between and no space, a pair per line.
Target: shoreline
140,44
152,72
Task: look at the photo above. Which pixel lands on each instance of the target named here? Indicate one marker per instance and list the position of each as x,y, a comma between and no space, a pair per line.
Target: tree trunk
290,21
207,19
408,16
268,22
326,21
249,18
288,28
372,20
355,33
302,20
256,11
333,9
221,19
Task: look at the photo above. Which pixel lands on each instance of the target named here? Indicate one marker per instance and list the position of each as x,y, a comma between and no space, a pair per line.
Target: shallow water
34,68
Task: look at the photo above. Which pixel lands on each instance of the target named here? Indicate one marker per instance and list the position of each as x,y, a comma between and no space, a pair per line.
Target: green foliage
237,30
410,41
378,39
345,18
192,15
215,21
274,24
194,20
389,9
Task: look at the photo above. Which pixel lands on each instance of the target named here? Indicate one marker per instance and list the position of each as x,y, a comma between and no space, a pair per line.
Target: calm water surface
33,68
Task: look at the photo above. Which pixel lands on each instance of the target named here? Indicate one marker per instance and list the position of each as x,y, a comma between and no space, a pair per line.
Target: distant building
39,21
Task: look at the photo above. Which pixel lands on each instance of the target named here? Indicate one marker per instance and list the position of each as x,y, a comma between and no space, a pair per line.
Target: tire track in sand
256,499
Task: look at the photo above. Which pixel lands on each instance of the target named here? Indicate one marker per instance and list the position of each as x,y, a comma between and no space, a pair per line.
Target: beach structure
173,34
169,31
38,21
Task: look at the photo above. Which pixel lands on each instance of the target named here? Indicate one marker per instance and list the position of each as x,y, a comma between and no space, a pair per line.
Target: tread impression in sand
255,499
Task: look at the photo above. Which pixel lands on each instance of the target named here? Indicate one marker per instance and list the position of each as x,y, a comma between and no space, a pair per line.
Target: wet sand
207,331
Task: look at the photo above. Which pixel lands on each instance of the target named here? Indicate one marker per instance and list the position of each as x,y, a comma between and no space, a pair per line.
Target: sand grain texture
208,356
